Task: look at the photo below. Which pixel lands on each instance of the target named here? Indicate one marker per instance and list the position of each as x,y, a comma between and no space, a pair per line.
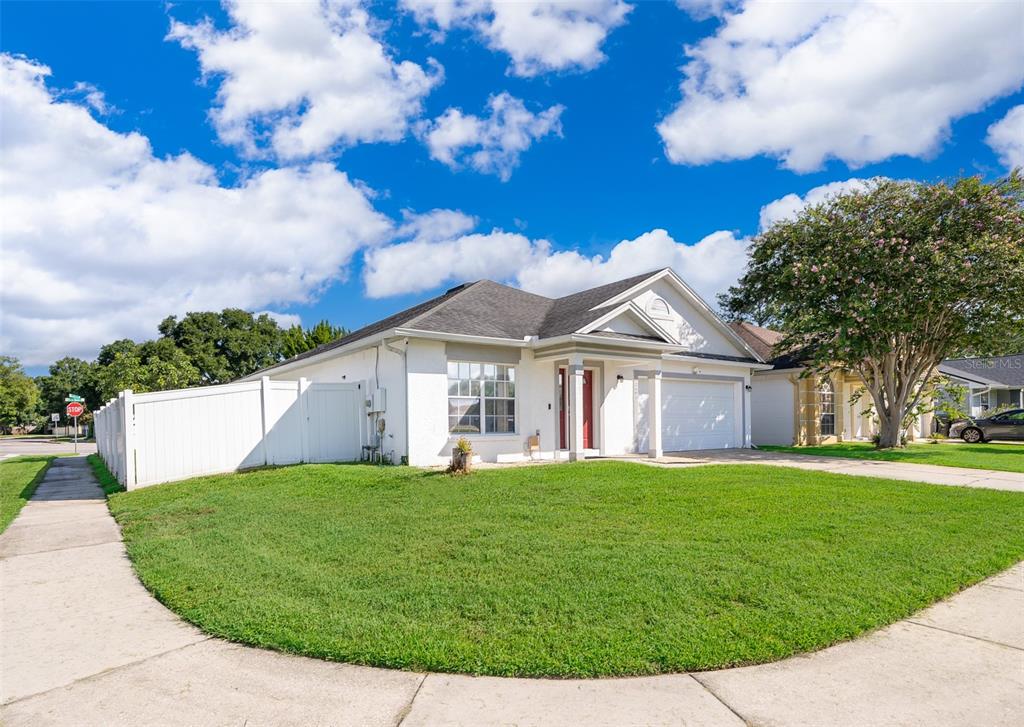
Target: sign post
75,409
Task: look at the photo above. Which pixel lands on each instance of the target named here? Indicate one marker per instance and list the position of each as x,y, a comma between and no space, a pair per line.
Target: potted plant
462,455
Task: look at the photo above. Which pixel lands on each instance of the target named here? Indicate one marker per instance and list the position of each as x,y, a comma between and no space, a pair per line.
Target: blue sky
595,171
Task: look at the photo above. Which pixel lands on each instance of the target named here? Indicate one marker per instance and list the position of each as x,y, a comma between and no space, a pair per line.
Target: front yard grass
570,570
1005,457
19,477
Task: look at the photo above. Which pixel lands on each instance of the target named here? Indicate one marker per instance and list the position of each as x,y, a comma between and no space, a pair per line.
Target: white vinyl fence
171,435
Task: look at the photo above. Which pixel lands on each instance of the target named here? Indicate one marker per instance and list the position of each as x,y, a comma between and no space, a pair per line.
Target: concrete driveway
83,643
934,474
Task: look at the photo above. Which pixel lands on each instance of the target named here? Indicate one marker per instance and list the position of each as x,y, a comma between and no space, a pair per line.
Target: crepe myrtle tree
889,281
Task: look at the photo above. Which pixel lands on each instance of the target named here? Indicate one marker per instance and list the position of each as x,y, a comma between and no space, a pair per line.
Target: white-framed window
481,398
827,404
658,308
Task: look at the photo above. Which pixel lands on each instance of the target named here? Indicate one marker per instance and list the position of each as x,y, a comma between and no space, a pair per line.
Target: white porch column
654,446
575,423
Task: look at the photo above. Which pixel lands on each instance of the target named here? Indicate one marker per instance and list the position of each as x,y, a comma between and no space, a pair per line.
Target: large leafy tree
224,346
151,366
69,375
296,339
889,281
19,395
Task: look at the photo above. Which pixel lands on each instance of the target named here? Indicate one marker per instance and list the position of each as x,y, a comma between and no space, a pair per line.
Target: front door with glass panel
563,409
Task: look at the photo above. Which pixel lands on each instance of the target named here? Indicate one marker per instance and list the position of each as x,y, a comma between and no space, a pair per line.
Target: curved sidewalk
83,643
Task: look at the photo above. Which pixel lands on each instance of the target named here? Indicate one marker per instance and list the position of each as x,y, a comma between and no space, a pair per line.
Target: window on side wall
827,403
481,398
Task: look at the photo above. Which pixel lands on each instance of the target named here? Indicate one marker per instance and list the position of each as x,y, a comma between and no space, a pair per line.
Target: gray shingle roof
999,370
486,308
571,312
764,342
394,321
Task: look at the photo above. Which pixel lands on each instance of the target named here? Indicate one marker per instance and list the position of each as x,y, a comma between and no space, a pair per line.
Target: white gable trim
626,308
691,295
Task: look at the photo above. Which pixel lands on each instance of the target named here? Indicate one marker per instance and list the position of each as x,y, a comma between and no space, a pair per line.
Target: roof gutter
964,376
465,337
717,362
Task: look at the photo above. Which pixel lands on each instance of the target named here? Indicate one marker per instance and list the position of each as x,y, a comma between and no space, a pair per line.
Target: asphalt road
12,446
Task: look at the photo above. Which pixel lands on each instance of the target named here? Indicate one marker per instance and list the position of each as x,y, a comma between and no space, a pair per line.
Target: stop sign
75,409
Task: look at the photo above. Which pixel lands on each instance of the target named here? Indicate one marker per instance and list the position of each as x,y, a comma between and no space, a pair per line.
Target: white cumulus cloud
102,239
441,249
304,77
856,81
709,265
1006,137
787,207
538,35
490,144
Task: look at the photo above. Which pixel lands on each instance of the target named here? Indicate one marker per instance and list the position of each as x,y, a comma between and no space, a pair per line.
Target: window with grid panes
481,398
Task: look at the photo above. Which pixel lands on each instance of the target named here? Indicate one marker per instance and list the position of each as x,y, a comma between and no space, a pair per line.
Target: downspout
404,353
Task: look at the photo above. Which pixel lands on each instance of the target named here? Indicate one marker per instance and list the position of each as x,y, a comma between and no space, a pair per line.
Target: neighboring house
642,365
992,382
793,408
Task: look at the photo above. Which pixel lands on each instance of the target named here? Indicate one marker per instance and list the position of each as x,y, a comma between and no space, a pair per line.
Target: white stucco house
642,365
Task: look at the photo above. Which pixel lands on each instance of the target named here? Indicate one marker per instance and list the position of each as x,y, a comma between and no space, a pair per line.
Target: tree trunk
890,415
889,433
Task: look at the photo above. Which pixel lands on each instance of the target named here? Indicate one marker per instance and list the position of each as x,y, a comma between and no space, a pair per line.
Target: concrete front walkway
83,643
934,474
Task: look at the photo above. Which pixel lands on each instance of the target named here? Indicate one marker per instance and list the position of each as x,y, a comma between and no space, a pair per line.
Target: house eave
716,362
980,380
460,337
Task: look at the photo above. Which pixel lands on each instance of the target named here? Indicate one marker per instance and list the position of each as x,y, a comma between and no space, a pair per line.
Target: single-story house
791,408
992,382
642,365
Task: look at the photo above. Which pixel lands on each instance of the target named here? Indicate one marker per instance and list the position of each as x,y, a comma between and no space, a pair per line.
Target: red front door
563,408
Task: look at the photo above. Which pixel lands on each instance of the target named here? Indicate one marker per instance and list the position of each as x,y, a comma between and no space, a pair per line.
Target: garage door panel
697,415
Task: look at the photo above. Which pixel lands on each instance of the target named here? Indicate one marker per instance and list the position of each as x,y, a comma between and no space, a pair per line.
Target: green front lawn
19,477
587,569
1006,457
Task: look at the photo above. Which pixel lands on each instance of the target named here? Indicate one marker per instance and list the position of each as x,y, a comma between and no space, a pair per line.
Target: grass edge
108,483
28,491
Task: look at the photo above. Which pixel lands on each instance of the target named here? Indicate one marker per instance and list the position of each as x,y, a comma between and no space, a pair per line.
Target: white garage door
697,415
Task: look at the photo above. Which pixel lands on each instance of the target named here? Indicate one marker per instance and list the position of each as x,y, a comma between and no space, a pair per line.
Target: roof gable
629,319
689,321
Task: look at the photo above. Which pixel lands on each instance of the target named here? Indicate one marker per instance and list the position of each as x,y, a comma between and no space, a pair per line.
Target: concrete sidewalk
934,474
83,643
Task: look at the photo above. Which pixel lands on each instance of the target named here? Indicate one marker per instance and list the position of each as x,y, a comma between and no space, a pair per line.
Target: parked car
1005,425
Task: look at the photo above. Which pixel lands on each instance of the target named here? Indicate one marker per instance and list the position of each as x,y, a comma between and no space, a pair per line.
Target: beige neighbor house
790,407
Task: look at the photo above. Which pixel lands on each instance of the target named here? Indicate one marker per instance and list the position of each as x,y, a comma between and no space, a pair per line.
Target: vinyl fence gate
145,439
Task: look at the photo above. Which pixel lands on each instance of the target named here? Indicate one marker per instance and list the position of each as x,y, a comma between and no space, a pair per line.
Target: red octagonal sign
75,409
